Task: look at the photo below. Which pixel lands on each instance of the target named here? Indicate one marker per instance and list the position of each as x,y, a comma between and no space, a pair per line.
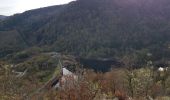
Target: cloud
8,7
5,10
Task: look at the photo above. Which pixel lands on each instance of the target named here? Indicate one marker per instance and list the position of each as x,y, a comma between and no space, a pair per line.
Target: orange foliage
120,95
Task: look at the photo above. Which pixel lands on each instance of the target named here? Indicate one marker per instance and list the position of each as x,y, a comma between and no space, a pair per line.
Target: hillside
2,17
94,28
25,24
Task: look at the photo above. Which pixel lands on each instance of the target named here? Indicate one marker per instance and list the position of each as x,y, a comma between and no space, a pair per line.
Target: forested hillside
2,17
93,28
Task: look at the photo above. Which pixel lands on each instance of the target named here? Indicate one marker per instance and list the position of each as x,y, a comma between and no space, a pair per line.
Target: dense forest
92,29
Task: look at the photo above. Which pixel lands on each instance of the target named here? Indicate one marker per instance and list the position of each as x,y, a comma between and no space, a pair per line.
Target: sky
10,7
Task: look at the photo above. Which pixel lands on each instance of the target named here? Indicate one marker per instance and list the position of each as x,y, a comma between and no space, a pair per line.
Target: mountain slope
7,45
97,28
2,17
30,21
106,27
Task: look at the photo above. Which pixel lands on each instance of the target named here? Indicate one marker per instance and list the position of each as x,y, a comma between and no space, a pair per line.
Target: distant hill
94,28
2,17
24,25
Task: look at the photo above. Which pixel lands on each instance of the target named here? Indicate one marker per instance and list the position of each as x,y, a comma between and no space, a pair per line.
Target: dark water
100,65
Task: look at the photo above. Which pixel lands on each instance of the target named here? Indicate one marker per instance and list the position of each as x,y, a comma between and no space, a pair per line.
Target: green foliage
92,28
41,67
24,55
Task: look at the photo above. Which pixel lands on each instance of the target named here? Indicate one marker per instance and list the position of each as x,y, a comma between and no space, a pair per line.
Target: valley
87,50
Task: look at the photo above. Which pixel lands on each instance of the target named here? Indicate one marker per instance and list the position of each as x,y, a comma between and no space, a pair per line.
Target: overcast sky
10,7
